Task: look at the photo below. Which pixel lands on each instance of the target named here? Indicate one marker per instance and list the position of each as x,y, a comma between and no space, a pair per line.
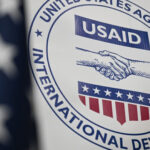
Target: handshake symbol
113,66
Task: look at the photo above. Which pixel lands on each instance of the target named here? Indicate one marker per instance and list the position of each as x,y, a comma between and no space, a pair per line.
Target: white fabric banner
90,64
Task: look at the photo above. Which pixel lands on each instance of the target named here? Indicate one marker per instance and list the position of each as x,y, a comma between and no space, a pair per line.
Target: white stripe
126,112
139,112
100,106
114,110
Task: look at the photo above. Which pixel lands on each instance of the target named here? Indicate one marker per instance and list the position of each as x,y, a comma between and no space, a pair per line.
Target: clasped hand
115,67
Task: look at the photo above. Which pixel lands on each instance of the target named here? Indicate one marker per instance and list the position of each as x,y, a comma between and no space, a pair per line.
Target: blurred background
17,124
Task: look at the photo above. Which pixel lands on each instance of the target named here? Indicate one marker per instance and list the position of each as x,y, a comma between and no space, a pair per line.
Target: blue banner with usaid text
111,33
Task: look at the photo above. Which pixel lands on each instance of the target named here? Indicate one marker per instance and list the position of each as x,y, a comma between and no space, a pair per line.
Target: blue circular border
56,83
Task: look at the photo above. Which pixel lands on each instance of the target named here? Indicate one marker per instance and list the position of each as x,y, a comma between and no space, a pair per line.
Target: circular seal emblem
90,60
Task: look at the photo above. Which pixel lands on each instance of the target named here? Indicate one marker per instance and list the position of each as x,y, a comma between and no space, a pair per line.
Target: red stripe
94,104
144,113
120,111
82,98
107,108
133,114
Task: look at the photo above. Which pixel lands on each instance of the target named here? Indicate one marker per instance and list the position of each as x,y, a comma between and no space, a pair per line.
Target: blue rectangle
100,31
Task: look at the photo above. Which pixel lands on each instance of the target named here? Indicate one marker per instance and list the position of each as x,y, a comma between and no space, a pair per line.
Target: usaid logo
90,60
111,33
